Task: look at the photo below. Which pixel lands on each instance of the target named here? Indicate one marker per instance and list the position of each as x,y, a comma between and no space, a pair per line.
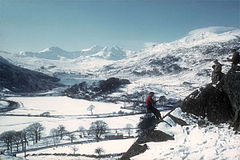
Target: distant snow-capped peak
111,53
52,49
94,48
211,34
202,36
56,53
213,29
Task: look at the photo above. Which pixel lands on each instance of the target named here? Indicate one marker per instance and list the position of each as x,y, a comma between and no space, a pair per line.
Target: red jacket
150,102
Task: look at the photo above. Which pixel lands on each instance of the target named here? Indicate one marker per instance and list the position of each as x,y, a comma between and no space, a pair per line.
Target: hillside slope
19,79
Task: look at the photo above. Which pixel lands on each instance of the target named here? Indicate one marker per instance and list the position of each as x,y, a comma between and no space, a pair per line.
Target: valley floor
191,142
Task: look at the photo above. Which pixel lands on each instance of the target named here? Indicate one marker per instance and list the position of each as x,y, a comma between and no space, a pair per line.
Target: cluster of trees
97,130
97,90
21,138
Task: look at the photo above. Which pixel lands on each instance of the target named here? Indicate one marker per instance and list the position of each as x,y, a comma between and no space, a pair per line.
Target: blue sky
32,25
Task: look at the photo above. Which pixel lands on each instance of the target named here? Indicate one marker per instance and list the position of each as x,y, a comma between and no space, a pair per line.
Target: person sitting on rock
150,106
235,60
217,74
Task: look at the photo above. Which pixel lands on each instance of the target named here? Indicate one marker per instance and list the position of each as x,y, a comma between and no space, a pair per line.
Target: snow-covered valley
172,69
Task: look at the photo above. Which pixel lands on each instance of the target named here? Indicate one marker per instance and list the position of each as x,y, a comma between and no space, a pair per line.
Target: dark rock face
208,102
134,150
154,136
218,104
138,147
18,79
146,133
232,89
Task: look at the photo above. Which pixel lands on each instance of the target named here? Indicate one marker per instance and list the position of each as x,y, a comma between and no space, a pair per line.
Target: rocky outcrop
139,147
232,89
146,133
154,136
208,102
19,79
134,150
219,103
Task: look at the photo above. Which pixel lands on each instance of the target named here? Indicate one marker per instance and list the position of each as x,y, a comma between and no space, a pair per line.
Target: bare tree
24,141
82,131
75,149
7,138
17,139
54,134
98,128
91,108
61,130
129,129
34,130
71,137
99,151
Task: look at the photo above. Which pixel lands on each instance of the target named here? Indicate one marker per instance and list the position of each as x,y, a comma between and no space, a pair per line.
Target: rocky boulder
146,133
218,103
139,147
232,89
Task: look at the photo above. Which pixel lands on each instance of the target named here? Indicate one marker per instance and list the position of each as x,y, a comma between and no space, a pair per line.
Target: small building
112,136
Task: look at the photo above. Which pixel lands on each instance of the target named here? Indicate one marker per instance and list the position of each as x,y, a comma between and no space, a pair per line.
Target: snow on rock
194,142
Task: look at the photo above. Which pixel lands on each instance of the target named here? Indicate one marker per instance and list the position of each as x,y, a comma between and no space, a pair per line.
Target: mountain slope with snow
198,48
178,67
19,79
172,69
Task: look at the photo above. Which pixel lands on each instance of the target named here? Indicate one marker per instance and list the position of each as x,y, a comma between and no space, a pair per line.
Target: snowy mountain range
56,53
173,68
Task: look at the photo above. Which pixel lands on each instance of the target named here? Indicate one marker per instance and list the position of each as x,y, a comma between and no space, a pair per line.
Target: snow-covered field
191,142
73,114
109,147
62,105
71,124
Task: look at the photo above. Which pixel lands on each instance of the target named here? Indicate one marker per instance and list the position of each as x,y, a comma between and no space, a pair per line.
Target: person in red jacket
150,106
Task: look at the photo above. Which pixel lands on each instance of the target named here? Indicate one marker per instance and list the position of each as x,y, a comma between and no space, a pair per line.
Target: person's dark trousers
155,112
